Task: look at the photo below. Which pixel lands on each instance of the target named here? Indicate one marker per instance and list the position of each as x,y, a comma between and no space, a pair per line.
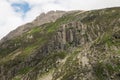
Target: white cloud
10,20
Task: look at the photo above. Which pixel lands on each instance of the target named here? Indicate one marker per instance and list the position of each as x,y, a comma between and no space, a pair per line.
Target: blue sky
23,7
14,13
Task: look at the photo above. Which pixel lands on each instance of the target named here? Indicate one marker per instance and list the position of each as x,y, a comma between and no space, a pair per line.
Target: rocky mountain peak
51,16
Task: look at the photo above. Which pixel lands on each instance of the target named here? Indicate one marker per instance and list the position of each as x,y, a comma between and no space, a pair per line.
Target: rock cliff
76,46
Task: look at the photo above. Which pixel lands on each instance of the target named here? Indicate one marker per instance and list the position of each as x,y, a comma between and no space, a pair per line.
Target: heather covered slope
77,46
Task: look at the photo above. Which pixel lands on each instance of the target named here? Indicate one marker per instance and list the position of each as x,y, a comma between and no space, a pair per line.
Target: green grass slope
77,46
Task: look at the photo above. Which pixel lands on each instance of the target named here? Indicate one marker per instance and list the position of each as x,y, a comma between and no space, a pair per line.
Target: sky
14,13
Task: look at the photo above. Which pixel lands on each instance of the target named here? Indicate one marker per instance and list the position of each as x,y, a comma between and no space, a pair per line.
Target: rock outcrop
76,46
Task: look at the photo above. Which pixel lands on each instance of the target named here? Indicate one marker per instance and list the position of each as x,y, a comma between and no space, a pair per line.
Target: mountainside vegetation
78,45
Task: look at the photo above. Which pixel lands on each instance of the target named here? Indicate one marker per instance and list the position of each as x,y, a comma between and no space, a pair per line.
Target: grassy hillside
77,46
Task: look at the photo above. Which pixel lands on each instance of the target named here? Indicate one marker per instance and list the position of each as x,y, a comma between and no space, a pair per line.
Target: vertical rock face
78,46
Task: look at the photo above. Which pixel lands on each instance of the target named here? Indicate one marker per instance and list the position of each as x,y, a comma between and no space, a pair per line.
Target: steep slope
42,19
77,46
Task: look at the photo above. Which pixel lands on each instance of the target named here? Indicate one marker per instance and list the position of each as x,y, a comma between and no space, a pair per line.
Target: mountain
42,19
76,45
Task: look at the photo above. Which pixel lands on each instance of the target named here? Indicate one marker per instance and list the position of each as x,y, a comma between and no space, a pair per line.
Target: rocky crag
77,45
